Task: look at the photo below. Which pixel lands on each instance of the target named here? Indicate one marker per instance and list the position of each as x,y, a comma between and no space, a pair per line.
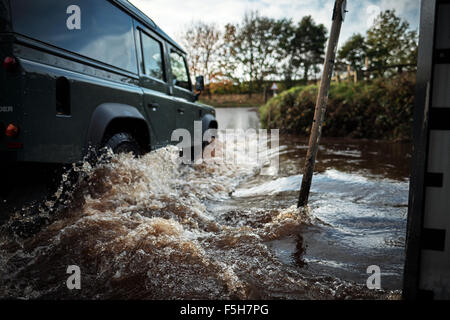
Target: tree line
261,48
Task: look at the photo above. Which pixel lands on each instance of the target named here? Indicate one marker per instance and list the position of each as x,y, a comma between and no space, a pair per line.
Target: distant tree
266,46
202,43
390,42
353,52
227,63
253,43
285,31
189,39
308,46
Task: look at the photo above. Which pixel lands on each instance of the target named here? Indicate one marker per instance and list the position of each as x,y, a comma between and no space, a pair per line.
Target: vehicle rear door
154,81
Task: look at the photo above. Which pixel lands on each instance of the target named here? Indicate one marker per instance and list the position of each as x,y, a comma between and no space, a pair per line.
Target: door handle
153,106
181,111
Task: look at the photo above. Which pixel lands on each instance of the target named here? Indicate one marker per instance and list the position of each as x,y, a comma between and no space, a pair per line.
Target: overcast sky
173,15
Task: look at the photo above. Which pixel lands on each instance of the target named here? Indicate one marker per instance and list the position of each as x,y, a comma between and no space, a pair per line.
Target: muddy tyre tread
123,143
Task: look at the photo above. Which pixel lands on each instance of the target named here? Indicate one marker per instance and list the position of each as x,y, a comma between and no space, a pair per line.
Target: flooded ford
154,228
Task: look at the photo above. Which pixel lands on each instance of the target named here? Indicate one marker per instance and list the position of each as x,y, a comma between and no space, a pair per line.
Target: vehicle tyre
124,143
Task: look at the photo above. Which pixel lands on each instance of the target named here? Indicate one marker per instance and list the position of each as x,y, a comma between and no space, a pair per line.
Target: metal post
338,18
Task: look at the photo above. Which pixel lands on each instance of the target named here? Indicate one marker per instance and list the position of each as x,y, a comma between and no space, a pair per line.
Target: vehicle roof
144,19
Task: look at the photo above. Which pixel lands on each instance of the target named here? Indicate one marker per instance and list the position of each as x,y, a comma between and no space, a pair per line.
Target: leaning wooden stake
338,18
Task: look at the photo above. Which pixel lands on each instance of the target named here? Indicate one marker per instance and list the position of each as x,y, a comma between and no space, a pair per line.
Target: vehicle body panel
64,97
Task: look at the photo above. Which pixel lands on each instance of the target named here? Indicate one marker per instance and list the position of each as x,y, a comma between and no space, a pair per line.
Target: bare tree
202,43
189,40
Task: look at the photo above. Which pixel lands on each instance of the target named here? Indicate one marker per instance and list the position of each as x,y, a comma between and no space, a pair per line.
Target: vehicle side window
153,57
179,70
105,32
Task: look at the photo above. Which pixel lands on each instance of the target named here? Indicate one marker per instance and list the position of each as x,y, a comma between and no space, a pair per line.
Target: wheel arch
209,122
110,118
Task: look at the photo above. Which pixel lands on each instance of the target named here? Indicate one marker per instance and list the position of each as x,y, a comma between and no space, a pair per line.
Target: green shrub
377,109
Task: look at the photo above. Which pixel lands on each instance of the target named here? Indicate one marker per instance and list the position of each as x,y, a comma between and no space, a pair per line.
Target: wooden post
366,73
322,99
265,94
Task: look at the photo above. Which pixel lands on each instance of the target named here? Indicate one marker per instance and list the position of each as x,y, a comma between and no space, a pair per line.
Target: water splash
142,229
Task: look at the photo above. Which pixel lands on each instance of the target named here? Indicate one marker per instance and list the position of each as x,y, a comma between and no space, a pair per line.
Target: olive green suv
81,74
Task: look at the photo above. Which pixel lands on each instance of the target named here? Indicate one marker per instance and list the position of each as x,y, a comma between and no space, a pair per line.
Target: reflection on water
152,229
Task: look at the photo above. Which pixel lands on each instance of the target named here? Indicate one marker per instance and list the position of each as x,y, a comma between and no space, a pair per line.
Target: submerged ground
151,229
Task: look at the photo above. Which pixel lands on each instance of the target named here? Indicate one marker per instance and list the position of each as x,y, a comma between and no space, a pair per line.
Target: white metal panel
443,27
437,200
435,265
434,276
441,86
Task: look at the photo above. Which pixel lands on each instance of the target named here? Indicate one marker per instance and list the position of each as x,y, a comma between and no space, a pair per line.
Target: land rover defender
80,74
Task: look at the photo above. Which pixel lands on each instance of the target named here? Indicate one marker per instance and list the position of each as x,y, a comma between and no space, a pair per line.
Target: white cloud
173,15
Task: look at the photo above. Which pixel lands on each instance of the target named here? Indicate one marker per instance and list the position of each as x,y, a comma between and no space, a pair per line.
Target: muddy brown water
150,228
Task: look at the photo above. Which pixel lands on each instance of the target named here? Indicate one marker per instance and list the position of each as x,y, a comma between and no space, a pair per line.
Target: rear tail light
12,131
14,145
10,64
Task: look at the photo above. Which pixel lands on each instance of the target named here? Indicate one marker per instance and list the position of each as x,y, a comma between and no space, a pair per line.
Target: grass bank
377,109
233,100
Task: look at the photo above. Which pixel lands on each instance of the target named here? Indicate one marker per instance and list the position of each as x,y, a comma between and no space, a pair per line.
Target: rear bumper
21,156
8,156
